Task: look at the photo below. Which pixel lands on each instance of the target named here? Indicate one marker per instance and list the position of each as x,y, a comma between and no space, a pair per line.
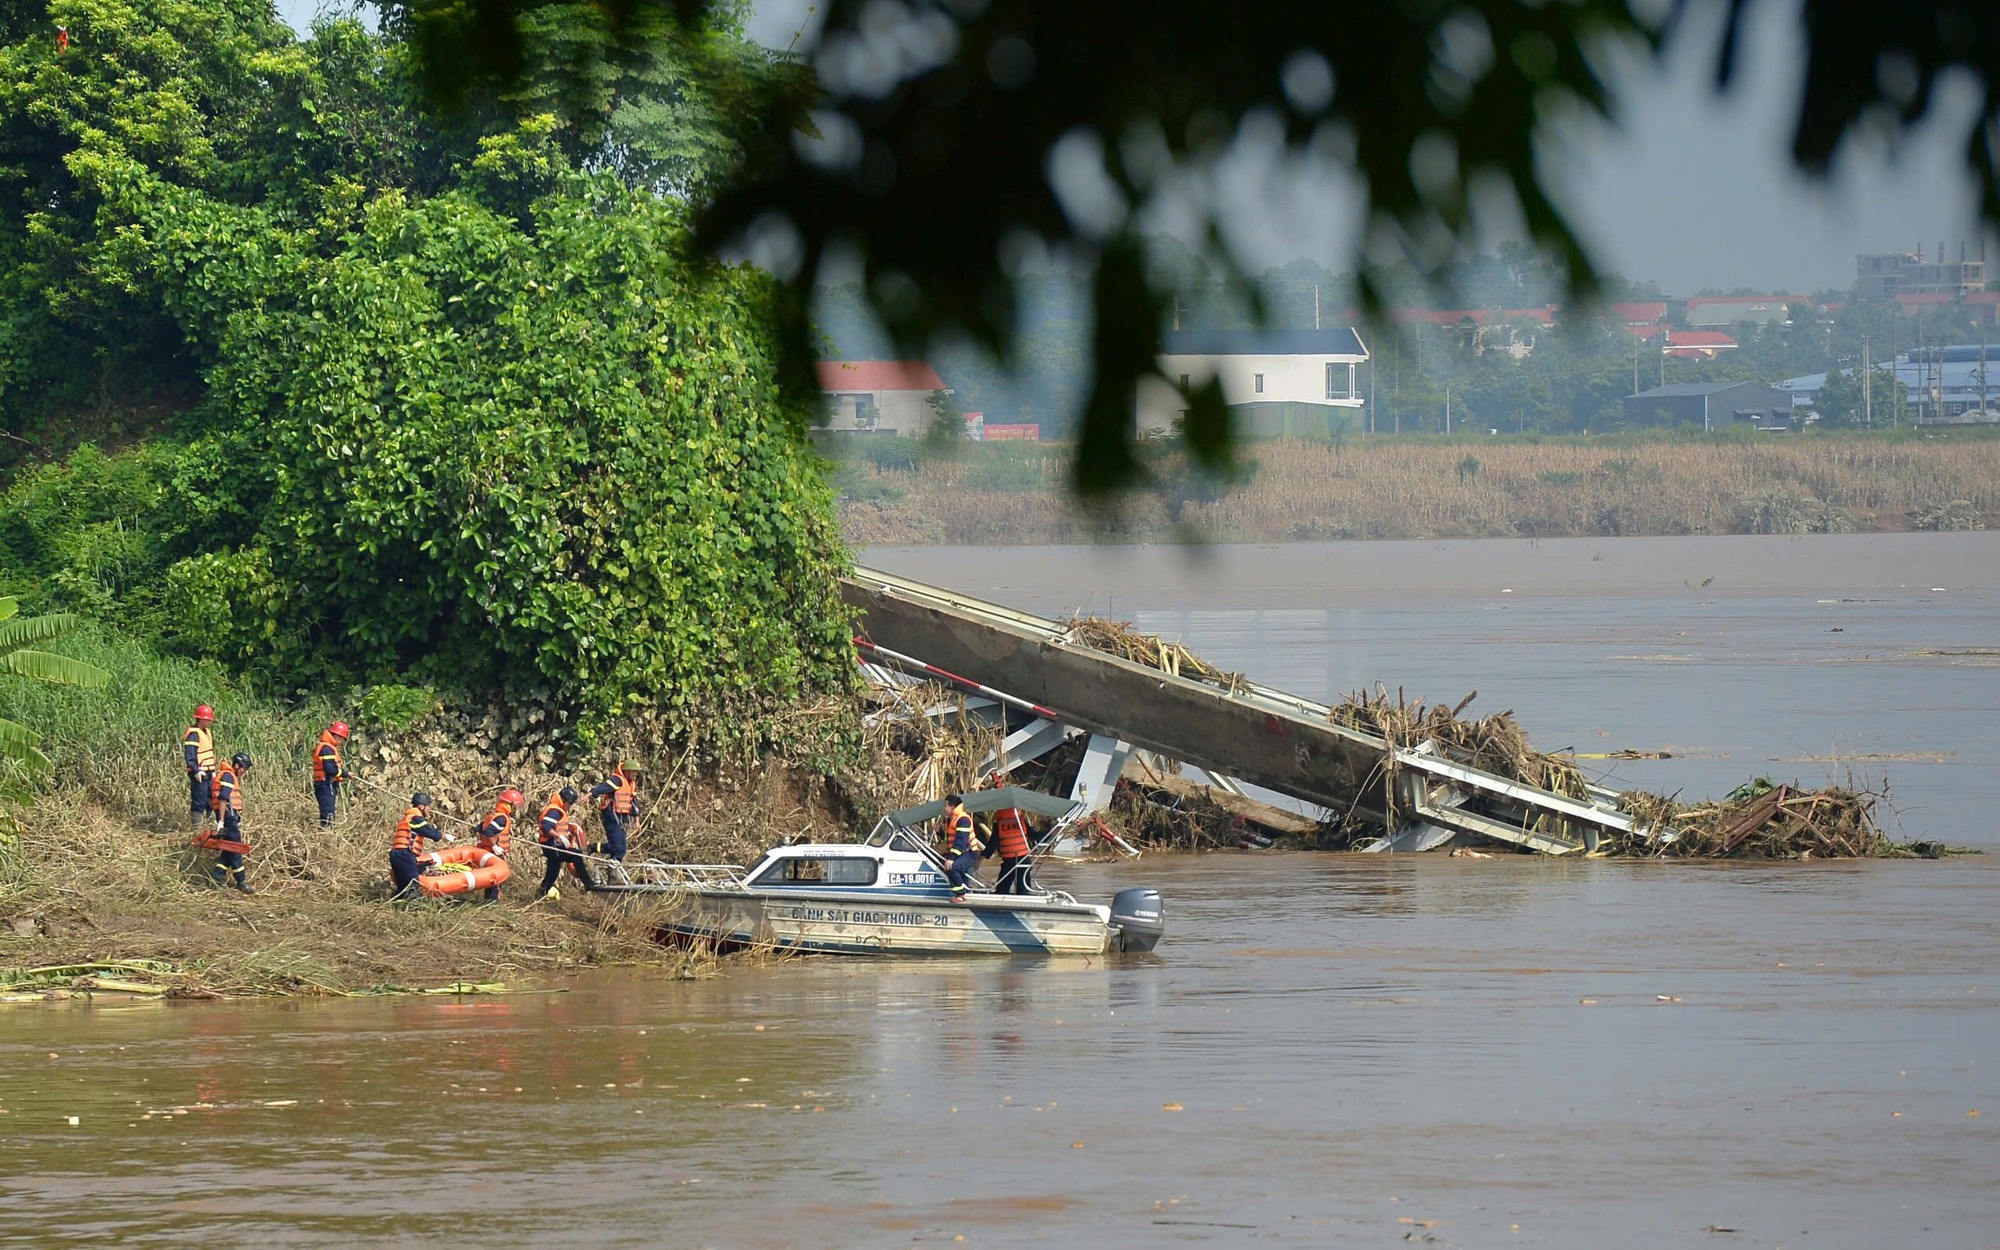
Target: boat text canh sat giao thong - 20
888,895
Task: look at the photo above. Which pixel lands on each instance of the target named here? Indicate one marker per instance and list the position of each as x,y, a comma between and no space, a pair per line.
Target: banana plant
21,747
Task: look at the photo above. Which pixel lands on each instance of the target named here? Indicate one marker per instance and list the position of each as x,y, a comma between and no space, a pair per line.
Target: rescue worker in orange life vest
406,863
328,774
962,848
226,804
198,745
496,831
1010,827
562,840
615,795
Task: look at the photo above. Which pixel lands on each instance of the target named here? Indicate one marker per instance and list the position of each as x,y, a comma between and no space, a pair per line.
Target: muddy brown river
1326,1050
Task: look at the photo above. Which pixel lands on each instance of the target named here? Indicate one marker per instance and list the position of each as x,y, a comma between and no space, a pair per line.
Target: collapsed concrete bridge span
1239,732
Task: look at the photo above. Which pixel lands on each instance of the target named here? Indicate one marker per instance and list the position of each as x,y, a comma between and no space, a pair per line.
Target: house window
1259,383
1339,380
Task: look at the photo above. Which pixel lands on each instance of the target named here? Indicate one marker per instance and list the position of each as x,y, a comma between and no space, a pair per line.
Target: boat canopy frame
980,802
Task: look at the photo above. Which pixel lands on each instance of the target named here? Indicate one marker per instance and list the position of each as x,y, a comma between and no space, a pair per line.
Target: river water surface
1326,1050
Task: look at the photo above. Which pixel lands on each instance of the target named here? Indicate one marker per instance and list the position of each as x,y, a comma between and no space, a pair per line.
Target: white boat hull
845,923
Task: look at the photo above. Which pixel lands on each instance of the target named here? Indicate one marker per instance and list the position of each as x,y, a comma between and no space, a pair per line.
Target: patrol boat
888,895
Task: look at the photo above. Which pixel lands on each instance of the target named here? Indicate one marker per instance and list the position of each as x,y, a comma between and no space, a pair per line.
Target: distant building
1712,406
1509,330
1727,310
888,397
1948,385
1636,313
1885,275
1685,344
1277,383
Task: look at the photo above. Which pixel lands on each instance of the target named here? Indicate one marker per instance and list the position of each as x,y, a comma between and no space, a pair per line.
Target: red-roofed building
1698,344
1983,307
1684,344
1640,313
890,397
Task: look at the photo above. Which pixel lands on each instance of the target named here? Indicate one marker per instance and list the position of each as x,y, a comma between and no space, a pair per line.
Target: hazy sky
1691,191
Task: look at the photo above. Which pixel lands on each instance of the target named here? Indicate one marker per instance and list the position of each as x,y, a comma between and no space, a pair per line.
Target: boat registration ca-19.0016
925,877
849,915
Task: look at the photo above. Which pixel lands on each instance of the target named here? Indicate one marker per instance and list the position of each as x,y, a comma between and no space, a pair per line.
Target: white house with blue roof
1277,383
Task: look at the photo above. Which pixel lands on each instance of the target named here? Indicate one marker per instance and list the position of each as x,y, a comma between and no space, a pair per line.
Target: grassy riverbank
98,867
1438,488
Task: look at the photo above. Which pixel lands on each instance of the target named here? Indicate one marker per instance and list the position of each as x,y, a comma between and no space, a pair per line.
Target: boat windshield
895,838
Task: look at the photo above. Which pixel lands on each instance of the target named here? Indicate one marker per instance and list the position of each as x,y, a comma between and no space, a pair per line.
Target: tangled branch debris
1121,639
1764,820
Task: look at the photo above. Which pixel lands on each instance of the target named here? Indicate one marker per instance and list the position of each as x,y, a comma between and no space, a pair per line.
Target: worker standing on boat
496,831
615,795
328,774
1010,827
962,849
562,843
198,746
405,863
225,802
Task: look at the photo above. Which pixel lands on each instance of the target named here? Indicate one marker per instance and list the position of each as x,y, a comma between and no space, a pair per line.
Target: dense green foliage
458,408
21,756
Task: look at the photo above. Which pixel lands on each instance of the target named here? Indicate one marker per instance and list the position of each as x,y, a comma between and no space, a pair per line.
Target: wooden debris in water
1765,820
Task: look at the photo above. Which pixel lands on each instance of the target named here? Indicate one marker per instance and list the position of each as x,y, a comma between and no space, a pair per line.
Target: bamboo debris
1121,639
1765,820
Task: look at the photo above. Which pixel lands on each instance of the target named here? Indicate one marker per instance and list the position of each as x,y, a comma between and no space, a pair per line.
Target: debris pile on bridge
1495,743
1120,638
1763,820
1131,710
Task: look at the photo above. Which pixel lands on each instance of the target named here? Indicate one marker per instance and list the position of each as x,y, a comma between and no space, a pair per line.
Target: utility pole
1315,305
1371,396
1636,340
1867,388
1982,373
1447,407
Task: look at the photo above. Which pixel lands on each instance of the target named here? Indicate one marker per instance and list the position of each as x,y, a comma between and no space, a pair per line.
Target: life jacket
405,838
320,770
560,834
1012,831
215,787
203,743
499,822
961,830
619,800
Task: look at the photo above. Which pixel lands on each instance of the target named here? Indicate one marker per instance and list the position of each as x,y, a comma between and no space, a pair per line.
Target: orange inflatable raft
463,869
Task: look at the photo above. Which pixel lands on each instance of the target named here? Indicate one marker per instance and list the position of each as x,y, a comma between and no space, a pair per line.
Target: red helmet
512,798
204,712
338,729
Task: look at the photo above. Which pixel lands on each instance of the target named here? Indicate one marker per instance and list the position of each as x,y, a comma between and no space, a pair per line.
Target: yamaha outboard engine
1139,917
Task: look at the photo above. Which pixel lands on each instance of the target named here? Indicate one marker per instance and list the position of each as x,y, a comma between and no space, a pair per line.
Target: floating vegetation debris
1763,819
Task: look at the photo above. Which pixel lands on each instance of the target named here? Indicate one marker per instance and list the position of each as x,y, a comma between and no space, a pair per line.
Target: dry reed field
1298,491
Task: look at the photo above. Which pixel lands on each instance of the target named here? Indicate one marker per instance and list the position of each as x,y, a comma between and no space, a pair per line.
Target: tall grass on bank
122,743
1459,488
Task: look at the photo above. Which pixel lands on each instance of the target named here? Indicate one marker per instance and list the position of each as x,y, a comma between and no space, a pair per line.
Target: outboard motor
1139,917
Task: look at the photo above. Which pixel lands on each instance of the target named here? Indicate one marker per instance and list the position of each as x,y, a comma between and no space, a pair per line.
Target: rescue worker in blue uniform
615,795
496,832
961,849
328,773
405,863
198,746
562,843
225,803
